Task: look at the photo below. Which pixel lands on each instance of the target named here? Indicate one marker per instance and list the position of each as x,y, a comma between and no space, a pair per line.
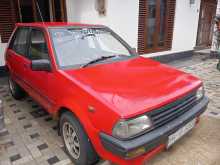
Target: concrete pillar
215,43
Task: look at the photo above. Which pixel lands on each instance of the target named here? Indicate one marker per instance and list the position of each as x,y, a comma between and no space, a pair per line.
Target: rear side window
19,43
38,46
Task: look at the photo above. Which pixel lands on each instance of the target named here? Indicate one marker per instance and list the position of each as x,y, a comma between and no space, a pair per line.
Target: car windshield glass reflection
79,47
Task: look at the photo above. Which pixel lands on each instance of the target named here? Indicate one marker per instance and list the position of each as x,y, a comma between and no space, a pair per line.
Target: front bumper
151,140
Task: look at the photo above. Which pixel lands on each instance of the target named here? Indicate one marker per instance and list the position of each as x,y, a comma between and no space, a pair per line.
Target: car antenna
38,8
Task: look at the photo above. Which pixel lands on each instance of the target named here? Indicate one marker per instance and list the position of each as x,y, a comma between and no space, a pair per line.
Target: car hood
135,86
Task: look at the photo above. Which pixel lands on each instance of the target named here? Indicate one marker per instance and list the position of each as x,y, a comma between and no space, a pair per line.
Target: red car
110,102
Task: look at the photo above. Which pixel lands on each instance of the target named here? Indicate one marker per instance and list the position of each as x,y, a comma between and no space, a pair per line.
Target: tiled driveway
32,136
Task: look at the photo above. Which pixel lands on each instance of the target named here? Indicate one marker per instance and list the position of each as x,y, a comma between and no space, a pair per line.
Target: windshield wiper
97,60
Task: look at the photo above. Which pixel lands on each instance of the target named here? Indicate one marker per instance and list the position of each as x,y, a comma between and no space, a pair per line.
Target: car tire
16,91
81,150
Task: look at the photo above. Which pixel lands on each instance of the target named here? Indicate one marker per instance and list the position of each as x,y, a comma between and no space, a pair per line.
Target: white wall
2,52
121,16
186,25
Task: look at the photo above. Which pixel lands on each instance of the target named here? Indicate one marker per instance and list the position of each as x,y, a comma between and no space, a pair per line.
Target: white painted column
2,52
215,44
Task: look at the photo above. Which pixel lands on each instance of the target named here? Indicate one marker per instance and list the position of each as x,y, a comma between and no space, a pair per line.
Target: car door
39,80
16,56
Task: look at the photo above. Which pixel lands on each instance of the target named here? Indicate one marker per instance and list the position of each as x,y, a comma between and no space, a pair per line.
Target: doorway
41,10
206,25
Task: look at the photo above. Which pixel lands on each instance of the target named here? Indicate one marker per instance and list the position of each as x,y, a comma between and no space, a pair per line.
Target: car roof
57,24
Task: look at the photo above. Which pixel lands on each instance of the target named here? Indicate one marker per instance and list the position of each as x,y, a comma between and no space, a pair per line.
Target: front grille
173,110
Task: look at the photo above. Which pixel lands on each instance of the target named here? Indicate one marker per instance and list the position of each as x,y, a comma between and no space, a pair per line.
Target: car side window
38,47
19,43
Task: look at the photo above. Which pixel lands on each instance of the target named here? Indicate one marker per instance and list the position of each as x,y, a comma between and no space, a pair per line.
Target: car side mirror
41,65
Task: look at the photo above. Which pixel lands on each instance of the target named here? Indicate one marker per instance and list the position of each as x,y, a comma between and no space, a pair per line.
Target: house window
38,10
12,11
7,19
156,19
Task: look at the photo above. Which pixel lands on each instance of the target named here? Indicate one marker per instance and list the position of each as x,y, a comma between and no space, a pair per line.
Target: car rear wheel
77,143
16,91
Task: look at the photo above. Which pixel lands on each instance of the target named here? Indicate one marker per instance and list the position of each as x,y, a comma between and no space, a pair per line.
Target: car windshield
75,47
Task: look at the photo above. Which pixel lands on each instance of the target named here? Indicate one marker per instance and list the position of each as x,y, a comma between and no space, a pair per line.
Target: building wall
2,52
186,25
122,17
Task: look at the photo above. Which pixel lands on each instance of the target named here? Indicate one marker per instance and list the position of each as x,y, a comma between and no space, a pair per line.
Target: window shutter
171,4
143,13
141,27
7,19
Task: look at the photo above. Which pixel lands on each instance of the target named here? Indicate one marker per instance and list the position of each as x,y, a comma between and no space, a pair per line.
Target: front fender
81,114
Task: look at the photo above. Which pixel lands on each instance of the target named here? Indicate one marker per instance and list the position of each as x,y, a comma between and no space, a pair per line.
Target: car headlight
200,93
127,128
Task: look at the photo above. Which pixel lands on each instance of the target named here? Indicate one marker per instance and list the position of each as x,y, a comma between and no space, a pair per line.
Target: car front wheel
77,143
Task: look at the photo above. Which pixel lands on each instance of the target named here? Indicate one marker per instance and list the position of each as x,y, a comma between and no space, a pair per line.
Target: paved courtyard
32,134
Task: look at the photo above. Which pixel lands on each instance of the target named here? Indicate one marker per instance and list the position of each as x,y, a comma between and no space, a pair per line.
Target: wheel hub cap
71,140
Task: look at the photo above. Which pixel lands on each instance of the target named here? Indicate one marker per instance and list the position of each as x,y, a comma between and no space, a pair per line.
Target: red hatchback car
110,102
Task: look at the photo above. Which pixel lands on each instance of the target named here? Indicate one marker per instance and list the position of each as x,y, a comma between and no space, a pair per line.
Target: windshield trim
78,66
